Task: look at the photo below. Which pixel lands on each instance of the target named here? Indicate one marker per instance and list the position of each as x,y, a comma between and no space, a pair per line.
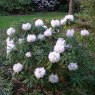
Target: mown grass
7,21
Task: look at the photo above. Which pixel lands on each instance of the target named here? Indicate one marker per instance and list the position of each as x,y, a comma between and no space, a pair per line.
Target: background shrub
27,6
46,5
16,6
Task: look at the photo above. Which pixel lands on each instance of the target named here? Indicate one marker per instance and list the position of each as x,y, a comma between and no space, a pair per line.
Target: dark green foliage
27,6
24,6
16,6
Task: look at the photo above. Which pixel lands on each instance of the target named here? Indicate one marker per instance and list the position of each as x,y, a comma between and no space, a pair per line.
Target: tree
71,6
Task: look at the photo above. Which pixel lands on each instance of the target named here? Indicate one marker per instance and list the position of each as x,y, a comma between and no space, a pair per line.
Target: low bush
44,59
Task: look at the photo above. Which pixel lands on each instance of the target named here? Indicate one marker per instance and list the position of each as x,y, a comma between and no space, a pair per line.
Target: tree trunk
71,6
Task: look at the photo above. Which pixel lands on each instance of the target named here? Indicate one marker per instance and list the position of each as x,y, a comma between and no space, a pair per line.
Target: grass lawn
7,21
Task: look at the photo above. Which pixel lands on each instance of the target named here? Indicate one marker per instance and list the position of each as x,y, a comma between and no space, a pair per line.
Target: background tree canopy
27,6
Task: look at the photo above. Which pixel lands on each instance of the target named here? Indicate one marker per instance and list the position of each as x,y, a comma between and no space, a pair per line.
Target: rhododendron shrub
45,57
46,5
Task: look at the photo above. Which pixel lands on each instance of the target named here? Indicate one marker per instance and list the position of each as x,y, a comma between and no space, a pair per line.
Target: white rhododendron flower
60,45
55,23
10,48
69,17
17,67
48,32
20,40
10,31
63,21
60,41
53,78
28,54
84,32
66,18
39,23
73,66
39,72
54,57
9,41
10,45
45,27
70,33
26,27
59,48
31,38
41,36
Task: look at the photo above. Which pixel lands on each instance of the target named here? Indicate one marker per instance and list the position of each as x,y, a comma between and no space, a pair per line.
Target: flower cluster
84,32
58,48
55,23
31,38
73,66
66,19
33,45
17,67
9,41
26,26
48,32
39,72
11,31
70,33
53,78
39,23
